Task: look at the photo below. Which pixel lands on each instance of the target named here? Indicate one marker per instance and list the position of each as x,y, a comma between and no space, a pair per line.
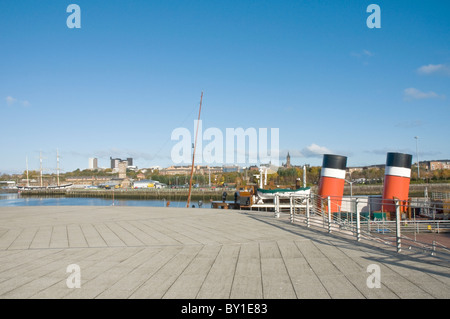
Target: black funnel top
399,160
334,161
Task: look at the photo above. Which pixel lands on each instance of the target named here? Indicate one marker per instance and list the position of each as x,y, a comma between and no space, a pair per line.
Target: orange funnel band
394,187
333,187
396,180
332,179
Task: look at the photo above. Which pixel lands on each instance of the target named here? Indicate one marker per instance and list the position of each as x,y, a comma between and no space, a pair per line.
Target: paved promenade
150,252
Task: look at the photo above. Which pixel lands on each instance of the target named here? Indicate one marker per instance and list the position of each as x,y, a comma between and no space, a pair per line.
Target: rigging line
181,124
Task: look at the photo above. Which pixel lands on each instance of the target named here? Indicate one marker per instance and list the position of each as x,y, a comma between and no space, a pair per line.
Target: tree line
283,177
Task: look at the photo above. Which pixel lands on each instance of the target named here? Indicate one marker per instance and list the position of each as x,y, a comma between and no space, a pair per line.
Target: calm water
17,200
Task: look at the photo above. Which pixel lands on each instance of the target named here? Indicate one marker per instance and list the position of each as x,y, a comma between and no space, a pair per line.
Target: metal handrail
310,210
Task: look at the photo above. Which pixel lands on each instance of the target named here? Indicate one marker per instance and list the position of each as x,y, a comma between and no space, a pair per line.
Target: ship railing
395,230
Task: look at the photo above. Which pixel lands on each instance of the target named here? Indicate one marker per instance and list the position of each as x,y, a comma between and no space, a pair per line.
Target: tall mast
57,168
193,154
209,176
40,165
28,180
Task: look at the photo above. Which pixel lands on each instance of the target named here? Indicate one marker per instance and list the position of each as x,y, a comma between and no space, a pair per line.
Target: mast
40,165
193,154
28,180
304,175
209,176
57,168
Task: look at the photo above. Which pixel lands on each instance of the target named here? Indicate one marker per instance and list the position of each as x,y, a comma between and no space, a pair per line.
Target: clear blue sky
134,71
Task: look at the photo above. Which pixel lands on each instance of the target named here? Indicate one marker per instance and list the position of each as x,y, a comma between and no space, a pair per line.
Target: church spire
288,160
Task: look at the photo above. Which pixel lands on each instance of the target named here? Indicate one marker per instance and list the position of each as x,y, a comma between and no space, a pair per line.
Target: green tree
313,175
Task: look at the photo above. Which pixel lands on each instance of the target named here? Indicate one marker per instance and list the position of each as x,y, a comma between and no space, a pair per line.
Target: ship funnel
332,179
396,180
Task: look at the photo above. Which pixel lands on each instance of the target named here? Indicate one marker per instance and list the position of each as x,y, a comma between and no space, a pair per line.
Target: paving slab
188,253
218,282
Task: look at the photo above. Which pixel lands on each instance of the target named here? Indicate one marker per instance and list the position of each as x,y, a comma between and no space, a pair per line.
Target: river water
14,199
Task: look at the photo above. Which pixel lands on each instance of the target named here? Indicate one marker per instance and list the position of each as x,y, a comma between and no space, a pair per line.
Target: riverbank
206,195
130,193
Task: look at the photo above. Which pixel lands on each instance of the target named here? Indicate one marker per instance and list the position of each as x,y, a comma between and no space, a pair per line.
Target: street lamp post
351,186
350,181
417,155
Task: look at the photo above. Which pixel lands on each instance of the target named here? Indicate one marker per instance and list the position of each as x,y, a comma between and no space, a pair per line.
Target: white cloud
410,124
367,53
10,100
362,54
434,69
384,151
415,94
312,150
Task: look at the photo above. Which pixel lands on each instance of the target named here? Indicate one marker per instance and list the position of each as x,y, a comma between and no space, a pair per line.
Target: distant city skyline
94,163
119,85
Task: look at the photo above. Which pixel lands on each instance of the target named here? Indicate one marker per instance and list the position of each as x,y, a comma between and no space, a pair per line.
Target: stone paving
179,253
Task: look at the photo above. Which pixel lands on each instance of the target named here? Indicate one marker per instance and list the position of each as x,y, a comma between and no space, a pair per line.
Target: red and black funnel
396,180
332,179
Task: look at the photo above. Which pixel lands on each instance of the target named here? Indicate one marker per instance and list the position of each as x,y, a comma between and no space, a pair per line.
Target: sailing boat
58,185
41,176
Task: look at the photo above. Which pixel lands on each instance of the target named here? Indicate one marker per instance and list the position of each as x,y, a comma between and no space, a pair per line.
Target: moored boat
282,192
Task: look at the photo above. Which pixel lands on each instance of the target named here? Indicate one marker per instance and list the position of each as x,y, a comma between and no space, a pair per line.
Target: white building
93,163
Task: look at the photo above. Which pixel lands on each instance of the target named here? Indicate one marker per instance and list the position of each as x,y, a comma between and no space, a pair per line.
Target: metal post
307,211
351,214
329,214
397,224
358,225
291,201
277,206
416,226
417,155
304,175
322,211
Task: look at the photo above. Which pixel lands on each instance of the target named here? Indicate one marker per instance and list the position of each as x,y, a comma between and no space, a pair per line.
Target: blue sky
119,85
